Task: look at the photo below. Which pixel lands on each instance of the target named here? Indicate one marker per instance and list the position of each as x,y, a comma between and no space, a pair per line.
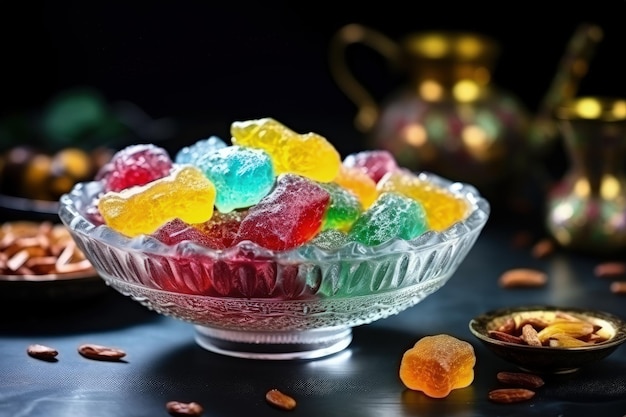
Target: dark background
213,62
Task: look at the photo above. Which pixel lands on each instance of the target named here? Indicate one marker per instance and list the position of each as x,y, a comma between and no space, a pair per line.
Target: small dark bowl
546,359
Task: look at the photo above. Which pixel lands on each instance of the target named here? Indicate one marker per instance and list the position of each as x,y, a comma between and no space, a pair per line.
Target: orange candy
438,364
443,208
357,181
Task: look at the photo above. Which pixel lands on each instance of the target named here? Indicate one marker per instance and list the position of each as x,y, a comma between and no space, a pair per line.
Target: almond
523,277
510,395
520,379
280,400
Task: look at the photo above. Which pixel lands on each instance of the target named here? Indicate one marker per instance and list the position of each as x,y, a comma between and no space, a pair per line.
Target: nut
542,249
618,287
523,277
280,400
42,352
530,335
177,409
520,379
610,270
505,337
510,395
101,353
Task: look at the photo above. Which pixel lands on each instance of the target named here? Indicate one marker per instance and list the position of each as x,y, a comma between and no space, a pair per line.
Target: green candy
343,210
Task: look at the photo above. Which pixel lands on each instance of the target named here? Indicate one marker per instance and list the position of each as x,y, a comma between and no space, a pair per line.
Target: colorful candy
192,153
241,176
186,193
375,163
343,210
289,216
309,155
438,364
391,216
135,165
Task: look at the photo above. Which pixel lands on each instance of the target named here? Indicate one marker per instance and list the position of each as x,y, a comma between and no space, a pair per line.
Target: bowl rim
481,321
477,218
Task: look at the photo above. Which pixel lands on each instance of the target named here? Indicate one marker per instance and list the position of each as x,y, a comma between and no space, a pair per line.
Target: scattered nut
178,409
280,400
510,395
30,248
42,352
610,270
101,353
543,248
520,379
522,277
618,287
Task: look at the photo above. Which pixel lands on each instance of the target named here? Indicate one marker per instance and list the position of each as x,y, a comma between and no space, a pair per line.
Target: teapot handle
341,72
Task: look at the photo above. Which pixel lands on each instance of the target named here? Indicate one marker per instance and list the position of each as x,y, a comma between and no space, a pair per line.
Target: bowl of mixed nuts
549,339
40,261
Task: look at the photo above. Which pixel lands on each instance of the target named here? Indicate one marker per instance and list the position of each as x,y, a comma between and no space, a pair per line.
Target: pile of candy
271,186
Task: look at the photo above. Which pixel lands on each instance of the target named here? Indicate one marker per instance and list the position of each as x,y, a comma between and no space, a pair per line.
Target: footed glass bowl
251,302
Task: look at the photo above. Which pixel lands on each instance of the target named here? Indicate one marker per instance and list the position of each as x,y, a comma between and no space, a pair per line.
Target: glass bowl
247,301
549,359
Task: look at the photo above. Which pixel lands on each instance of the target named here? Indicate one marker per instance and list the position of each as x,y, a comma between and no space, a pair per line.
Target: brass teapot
449,117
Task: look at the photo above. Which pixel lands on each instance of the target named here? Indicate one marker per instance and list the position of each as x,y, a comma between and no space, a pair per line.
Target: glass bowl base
274,345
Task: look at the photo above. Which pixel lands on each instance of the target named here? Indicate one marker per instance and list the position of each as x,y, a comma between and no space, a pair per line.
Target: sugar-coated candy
375,163
177,231
343,210
241,176
442,207
186,193
357,181
438,364
221,229
190,154
289,216
391,216
309,155
330,239
134,165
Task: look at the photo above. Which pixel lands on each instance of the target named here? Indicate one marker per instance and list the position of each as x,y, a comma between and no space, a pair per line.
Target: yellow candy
309,155
185,194
443,208
357,181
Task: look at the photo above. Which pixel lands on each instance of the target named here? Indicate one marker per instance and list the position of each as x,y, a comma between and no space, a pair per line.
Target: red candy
291,215
222,228
135,165
375,163
176,231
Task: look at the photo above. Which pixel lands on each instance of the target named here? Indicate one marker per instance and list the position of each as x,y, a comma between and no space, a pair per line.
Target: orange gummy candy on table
186,194
309,155
443,208
438,364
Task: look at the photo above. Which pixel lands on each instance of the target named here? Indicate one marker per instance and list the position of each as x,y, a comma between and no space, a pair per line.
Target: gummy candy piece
438,364
442,207
185,193
343,210
391,216
289,216
375,163
192,153
221,229
176,231
330,239
309,155
242,176
134,165
357,181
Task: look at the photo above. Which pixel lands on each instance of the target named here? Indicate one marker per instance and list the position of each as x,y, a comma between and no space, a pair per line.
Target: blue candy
192,153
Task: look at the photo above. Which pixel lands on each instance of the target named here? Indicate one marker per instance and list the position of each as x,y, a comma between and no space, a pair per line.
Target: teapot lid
449,45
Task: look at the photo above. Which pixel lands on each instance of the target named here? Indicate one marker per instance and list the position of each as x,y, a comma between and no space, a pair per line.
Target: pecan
508,326
520,379
522,277
542,248
42,352
510,395
505,337
101,353
529,335
618,287
610,269
178,409
280,400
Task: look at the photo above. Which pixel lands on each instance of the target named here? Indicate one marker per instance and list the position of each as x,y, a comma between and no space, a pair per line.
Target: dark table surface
164,363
